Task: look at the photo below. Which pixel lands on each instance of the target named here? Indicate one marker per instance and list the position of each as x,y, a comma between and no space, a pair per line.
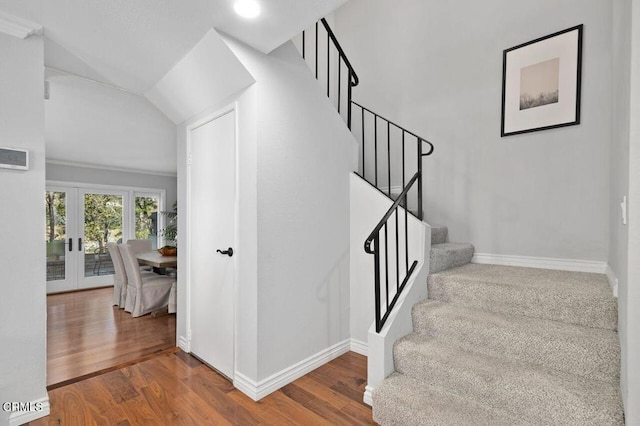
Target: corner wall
305,155
22,277
630,295
436,68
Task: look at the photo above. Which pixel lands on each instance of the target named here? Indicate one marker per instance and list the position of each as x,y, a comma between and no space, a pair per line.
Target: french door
80,222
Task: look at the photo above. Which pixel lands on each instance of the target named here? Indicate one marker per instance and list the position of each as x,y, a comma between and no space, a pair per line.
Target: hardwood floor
175,388
86,335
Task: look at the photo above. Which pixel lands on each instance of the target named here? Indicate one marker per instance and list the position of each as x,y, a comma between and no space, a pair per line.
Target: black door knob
228,252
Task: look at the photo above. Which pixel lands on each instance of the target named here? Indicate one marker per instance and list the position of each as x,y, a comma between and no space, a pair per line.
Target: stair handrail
374,238
398,127
387,215
355,80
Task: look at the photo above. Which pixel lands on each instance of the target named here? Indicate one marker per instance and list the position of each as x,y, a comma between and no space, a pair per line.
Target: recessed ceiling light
247,8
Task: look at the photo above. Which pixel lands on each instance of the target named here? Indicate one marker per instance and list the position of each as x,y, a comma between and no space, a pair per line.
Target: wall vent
11,158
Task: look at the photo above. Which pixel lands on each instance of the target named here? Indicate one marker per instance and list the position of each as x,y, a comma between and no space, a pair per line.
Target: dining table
155,259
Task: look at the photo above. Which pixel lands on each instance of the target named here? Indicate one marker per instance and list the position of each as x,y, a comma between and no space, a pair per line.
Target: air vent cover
17,159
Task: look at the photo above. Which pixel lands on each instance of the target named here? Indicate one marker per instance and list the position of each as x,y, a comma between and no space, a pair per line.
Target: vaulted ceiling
129,45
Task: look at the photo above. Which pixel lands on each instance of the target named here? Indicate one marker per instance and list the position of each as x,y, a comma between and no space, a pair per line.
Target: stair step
438,234
403,400
587,352
572,297
519,389
449,255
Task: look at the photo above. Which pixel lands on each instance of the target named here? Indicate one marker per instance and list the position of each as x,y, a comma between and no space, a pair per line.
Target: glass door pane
102,223
146,218
56,234
61,237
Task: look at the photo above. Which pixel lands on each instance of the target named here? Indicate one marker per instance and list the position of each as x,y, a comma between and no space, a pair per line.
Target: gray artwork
539,84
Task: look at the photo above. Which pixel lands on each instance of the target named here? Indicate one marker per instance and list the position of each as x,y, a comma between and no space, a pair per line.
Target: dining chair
146,293
141,246
120,277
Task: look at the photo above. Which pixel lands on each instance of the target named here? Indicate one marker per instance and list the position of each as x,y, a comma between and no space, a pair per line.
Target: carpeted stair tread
519,389
439,234
403,400
573,297
588,352
445,256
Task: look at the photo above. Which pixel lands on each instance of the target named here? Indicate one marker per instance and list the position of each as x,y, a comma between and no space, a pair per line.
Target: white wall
630,295
22,280
436,68
304,156
66,173
92,123
206,75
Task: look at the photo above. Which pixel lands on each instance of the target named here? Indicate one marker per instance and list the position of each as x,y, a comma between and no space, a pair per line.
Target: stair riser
585,310
441,260
541,398
403,404
583,355
439,234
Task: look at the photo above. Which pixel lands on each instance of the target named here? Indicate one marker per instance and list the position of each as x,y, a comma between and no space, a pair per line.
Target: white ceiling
132,44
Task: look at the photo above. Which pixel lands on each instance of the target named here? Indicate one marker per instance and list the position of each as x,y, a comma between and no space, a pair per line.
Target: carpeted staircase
499,345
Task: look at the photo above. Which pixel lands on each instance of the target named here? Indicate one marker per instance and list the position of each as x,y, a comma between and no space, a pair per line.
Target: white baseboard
368,395
40,408
258,390
183,344
358,347
613,280
574,265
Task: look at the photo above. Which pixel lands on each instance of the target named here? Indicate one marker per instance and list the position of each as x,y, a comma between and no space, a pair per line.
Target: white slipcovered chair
141,246
145,293
119,278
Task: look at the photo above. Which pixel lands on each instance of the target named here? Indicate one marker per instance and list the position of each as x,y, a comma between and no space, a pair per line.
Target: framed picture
541,83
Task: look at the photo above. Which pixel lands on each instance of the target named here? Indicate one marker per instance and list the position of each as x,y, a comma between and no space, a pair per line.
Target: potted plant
170,232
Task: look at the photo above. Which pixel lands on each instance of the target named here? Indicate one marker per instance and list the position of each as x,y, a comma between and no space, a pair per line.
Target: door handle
70,244
79,244
228,252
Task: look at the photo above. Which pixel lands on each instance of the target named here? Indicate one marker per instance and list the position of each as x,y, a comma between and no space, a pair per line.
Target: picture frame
541,82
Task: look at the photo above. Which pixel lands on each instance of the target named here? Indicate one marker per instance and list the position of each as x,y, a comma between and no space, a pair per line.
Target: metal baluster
419,178
376,266
339,79
397,255
363,175
386,262
405,200
389,157
406,234
316,50
303,44
375,146
328,67
349,99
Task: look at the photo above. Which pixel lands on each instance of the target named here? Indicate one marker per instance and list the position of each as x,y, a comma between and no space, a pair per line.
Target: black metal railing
389,153
382,233
334,74
382,141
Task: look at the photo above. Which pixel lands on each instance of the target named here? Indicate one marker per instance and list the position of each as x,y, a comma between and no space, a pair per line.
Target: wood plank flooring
174,388
85,335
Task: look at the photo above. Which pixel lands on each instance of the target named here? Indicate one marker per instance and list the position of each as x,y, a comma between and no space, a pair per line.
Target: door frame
188,204
128,217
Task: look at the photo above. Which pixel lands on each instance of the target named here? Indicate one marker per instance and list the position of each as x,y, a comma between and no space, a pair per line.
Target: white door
212,206
61,238
102,220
